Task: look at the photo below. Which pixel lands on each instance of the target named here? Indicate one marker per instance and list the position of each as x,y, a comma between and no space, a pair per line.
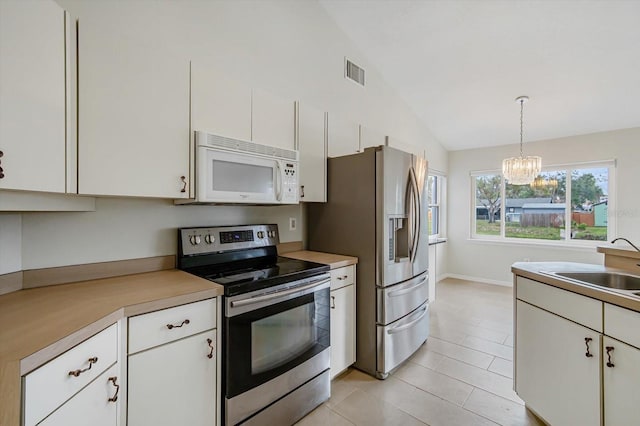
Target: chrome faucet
624,239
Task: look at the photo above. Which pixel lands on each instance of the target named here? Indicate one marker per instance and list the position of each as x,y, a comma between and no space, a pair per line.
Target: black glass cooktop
243,277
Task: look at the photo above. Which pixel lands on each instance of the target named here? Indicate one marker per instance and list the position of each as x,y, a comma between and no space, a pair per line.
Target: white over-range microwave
235,171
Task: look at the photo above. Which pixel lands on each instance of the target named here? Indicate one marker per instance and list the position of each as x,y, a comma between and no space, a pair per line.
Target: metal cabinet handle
609,350
1,170
91,361
113,381
210,343
184,184
586,342
301,191
170,326
333,302
344,277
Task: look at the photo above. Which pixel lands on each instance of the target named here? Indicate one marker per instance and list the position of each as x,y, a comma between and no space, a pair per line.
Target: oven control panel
203,240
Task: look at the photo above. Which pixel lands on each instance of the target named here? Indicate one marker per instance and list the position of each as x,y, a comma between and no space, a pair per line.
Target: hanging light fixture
521,170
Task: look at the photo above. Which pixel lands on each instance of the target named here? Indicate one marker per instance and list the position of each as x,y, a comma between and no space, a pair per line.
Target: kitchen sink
612,280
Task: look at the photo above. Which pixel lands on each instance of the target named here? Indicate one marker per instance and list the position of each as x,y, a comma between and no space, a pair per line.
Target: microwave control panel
290,182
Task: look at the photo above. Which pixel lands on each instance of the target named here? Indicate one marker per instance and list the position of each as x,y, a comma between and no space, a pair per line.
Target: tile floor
461,376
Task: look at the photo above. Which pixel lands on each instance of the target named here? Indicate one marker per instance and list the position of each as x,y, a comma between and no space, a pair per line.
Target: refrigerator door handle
416,213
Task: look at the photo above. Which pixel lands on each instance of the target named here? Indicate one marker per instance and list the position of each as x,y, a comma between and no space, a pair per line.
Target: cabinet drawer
575,307
167,325
622,324
341,277
49,386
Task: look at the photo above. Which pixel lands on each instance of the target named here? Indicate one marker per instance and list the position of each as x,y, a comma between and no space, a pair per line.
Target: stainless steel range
275,356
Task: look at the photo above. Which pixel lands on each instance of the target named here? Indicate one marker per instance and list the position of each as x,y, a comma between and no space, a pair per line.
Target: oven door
271,332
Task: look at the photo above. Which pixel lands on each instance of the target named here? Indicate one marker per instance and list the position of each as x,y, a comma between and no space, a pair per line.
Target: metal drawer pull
344,277
113,381
609,350
170,326
184,184
586,342
333,302
209,342
91,361
400,328
406,290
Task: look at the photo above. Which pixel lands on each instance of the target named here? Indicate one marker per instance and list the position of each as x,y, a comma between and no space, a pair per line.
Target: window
435,185
566,203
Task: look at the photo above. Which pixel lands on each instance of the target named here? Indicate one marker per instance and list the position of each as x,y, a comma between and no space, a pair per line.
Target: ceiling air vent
354,72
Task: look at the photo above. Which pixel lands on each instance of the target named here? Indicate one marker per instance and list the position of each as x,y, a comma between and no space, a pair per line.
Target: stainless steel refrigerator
376,210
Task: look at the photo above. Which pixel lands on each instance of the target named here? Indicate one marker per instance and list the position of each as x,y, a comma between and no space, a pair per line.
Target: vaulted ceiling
460,64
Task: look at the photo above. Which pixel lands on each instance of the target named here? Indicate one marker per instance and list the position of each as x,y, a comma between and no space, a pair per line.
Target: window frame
568,168
439,204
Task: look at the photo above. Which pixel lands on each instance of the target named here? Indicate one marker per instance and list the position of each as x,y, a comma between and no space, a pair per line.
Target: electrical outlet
293,224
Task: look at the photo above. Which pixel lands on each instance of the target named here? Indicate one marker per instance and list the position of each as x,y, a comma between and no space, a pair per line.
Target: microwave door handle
278,182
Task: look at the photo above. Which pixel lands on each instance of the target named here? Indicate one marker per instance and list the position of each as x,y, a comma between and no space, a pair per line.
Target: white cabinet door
32,95
621,383
174,384
312,145
343,136
133,111
554,376
219,105
343,349
272,120
371,137
95,405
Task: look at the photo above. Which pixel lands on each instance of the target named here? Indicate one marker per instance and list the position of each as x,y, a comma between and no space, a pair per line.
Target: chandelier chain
521,121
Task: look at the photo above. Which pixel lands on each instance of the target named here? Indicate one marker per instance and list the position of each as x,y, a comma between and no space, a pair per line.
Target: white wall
10,243
132,228
290,48
492,261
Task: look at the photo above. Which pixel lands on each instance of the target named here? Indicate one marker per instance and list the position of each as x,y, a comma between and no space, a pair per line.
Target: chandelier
521,170
541,183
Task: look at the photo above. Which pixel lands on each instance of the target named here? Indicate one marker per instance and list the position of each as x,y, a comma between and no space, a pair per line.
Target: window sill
433,241
589,246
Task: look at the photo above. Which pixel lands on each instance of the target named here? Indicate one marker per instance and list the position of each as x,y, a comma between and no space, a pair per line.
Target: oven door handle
279,294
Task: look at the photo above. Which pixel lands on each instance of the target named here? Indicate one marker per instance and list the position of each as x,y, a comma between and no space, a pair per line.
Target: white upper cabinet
226,107
371,137
343,136
406,147
312,144
33,96
272,120
133,112
219,105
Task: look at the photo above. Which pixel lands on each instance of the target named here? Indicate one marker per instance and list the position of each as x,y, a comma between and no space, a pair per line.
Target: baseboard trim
93,271
10,282
478,280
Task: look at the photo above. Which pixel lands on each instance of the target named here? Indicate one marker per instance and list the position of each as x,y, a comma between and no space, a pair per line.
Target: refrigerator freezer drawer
401,339
398,300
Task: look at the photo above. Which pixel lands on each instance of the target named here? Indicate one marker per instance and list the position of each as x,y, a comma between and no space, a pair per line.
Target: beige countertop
333,260
41,323
538,271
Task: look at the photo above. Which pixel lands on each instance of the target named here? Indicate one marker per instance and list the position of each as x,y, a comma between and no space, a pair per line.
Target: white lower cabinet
172,366
554,376
174,384
621,383
571,374
68,378
343,319
95,405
